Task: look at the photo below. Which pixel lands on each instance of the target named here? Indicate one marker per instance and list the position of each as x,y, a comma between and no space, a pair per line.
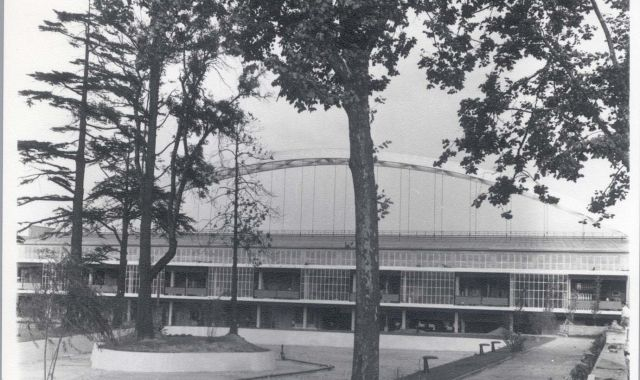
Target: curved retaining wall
114,360
340,339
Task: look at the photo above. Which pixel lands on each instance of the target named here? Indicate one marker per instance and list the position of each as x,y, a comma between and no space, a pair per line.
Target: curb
323,367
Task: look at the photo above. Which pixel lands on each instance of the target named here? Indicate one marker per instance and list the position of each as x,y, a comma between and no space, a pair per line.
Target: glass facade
428,287
219,282
388,258
132,281
326,284
548,291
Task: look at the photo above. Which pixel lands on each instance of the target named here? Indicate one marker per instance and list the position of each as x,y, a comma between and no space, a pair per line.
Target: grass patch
184,343
455,369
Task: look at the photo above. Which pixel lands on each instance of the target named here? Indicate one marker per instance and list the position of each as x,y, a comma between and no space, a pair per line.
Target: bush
514,342
582,370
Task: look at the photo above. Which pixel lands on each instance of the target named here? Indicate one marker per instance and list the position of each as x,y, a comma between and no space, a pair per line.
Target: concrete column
215,283
260,280
172,279
457,289
462,325
128,310
386,322
569,295
170,321
404,319
258,312
510,321
353,319
90,278
404,286
456,321
353,283
304,317
305,284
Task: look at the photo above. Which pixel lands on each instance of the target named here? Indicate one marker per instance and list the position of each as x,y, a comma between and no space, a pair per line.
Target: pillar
170,321
353,319
260,280
462,325
128,310
510,321
353,283
172,279
456,321
404,320
90,278
305,284
258,312
304,317
404,286
457,289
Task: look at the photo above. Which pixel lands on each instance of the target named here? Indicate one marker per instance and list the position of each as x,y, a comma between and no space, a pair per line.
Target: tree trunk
361,162
233,326
120,302
78,193
72,314
144,317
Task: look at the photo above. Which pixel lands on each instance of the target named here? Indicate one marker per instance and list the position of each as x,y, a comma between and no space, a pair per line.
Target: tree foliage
555,96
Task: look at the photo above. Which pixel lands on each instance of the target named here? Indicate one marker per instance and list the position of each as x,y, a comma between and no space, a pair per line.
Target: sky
413,118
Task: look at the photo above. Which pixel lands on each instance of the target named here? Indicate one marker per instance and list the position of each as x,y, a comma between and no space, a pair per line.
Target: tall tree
71,94
184,35
113,204
322,53
243,208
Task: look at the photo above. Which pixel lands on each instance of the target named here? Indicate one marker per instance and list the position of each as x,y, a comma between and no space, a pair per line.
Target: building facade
435,283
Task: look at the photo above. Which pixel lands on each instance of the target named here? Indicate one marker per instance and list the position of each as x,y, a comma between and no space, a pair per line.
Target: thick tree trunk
233,326
120,302
144,317
366,336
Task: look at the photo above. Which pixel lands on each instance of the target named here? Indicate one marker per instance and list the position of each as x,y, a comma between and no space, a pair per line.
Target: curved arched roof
331,157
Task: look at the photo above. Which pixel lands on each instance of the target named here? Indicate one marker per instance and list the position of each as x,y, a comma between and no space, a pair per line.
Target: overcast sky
414,119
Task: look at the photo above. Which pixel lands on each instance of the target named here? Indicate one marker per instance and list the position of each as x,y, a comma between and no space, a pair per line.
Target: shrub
582,370
514,342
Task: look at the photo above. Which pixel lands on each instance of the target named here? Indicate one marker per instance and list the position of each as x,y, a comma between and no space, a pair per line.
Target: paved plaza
77,366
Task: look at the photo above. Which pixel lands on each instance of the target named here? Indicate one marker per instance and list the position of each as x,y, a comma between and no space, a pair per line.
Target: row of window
389,258
517,289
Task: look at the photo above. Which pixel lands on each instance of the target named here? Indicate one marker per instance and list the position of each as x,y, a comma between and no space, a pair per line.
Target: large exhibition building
440,283
486,272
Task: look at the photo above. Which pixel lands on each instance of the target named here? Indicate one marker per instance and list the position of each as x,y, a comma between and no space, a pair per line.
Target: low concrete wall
611,364
579,330
340,339
114,360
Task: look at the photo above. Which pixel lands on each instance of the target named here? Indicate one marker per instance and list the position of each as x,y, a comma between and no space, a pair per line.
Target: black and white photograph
320,189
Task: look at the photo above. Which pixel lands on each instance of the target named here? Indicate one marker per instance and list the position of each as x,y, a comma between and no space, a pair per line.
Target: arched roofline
336,157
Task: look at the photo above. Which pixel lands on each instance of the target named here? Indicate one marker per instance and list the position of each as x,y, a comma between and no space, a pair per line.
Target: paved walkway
550,361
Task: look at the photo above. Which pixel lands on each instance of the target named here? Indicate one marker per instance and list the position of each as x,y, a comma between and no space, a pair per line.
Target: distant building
440,283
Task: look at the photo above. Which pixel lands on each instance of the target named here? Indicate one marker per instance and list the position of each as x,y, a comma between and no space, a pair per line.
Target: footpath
550,361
